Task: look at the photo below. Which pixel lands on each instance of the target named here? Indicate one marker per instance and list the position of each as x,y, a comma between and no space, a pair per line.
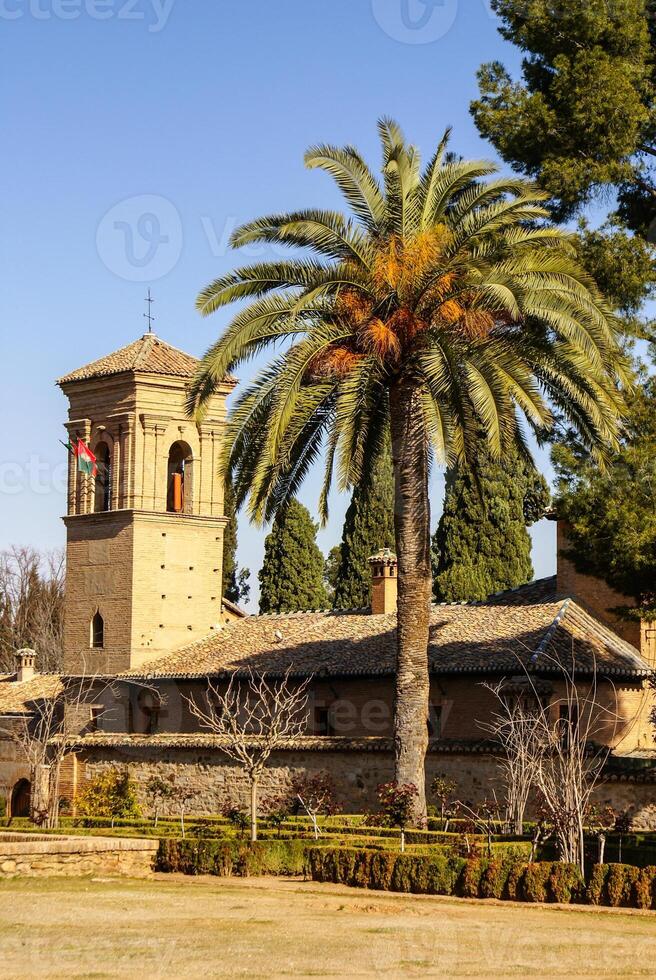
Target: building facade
144,611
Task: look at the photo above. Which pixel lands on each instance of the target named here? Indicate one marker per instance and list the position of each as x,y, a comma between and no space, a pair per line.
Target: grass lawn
266,927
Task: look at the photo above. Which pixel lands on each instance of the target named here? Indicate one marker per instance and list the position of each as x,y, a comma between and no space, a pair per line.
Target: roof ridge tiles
542,645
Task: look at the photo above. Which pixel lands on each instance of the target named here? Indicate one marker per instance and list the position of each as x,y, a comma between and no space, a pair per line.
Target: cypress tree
368,527
481,545
291,577
235,582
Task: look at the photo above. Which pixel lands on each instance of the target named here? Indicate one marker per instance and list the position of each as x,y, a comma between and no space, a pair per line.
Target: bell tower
145,535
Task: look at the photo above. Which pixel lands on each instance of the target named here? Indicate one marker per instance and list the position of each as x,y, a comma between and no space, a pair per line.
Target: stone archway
20,799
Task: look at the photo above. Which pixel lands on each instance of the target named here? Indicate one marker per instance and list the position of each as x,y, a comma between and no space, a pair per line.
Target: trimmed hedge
231,857
547,881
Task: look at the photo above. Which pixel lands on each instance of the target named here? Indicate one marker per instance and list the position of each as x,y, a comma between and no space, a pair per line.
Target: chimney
25,665
384,570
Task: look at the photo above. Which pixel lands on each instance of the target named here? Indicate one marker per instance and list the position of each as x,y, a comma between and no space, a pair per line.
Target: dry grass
202,927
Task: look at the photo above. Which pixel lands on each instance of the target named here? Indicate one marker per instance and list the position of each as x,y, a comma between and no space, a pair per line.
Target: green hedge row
616,885
231,857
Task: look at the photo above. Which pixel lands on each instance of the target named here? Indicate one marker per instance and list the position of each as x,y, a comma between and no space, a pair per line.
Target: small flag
86,461
69,446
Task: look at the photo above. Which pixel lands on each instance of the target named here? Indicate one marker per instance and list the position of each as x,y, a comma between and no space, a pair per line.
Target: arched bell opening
103,486
179,488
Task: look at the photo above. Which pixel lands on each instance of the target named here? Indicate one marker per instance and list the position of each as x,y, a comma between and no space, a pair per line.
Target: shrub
565,883
3,807
619,885
381,869
535,884
469,883
402,874
644,893
441,873
493,879
595,891
111,794
515,882
231,857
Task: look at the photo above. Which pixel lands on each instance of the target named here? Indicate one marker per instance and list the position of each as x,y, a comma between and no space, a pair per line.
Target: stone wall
33,856
214,780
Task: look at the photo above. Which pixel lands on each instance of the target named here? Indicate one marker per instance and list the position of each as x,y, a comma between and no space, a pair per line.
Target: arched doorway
20,798
179,490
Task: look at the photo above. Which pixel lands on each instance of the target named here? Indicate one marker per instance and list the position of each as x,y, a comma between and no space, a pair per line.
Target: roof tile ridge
148,340
544,642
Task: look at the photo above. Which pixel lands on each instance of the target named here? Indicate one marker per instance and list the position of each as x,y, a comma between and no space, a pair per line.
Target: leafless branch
253,718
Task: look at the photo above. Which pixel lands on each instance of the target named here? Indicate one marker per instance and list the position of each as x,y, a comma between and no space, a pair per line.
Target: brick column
160,465
128,460
116,470
80,487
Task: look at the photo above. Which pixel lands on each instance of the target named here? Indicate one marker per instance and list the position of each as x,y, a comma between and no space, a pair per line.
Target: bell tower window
97,632
179,491
103,486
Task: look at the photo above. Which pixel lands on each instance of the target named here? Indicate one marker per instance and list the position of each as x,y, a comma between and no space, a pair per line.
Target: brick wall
595,595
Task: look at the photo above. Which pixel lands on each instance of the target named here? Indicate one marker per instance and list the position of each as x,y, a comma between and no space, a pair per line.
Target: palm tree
443,306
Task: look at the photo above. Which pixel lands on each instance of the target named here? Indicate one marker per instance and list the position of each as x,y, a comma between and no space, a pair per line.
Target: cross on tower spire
149,315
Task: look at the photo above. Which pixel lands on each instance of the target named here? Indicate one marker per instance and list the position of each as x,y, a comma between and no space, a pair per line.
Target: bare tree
516,728
253,719
574,737
560,748
31,606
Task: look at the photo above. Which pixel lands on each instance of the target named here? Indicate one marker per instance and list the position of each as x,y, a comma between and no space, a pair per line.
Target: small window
323,722
97,632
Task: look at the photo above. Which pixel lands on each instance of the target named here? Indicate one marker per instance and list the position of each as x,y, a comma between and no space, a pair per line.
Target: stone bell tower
144,537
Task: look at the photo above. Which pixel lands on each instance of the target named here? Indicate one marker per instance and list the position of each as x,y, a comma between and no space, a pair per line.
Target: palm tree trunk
412,532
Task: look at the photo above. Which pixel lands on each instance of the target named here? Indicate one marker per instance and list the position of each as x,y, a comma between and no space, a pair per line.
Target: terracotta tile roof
495,637
149,354
542,590
324,743
15,698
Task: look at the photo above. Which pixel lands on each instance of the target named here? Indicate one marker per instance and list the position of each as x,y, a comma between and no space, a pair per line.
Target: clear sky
138,133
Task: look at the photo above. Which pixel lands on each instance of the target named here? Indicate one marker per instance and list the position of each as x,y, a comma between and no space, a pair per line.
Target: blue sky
138,133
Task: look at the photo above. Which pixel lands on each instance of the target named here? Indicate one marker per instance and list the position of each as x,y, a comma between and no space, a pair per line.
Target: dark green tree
330,571
235,581
581,122
581,118
481,545
612,514
368,527
291,577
